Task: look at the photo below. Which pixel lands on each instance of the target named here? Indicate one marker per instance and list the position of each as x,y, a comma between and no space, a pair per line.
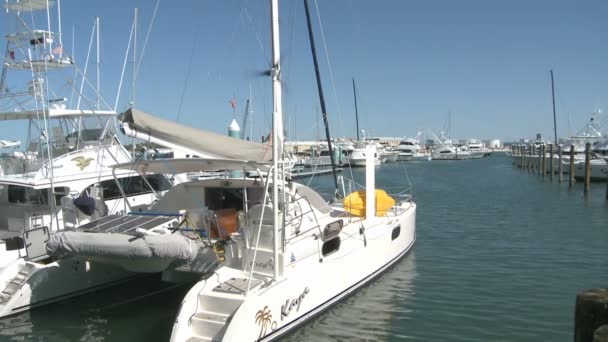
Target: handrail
257,242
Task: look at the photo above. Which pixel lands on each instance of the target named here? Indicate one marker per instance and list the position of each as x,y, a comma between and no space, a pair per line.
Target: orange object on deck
354,203
227,220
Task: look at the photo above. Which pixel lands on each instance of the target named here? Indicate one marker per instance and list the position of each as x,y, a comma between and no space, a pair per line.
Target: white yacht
358,156
598,170
590,133
408,149
388,154
448,151
477,149
293,255
600,148
64,178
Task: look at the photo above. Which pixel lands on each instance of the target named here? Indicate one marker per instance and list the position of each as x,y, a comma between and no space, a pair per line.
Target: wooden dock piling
590,315
544,160
551,165
587,167
529,159
560,167
571,170
522,155
538,164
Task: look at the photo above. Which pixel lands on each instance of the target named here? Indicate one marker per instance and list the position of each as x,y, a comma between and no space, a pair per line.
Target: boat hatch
236,285
332,230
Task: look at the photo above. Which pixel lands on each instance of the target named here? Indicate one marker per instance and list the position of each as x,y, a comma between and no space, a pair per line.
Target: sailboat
293,255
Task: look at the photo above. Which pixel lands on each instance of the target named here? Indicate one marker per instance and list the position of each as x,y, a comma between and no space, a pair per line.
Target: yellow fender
354,203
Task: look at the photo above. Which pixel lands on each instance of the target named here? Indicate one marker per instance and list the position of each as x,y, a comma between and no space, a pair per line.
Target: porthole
396,232
330,246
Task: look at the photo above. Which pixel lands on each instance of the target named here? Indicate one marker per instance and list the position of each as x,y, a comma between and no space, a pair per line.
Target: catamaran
292,254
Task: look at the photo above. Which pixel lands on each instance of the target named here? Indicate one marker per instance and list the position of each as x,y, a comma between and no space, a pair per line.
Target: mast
554,117
134,57
250,114
450,127
356,111
277,129
97,62
321,98
59,28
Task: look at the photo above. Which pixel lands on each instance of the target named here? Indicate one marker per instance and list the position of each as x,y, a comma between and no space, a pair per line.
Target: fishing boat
359,155
66,177
292,254
477,149
409,149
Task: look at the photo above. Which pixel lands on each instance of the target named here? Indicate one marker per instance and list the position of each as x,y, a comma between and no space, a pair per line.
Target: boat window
25,195
158,182
61,191
222,198
133,186
3,195
330,246
396,232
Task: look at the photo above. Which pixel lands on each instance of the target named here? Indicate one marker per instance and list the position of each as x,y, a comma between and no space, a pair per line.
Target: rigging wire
143,50
124,65
188,72
329,67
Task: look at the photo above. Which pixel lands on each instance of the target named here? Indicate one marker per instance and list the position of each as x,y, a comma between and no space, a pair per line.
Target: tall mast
59,27
277,128
321,98
134,57
450,127
250,114
97,61
356,111
554,117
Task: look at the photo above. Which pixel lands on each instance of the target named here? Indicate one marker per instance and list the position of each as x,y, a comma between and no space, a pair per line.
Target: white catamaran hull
312,285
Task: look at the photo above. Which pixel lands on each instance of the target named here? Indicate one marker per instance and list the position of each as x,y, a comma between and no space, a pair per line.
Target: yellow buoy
354,203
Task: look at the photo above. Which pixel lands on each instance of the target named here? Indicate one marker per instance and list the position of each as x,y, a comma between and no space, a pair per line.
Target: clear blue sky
485,61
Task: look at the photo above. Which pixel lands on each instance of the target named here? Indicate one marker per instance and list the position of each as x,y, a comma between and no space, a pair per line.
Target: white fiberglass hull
598,169
26,285
452,156
361,162
310,285
405,156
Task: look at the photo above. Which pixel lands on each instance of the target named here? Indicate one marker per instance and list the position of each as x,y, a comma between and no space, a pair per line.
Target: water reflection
140,310
371,313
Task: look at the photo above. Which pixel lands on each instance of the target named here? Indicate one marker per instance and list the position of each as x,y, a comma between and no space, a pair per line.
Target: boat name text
265,265
294,303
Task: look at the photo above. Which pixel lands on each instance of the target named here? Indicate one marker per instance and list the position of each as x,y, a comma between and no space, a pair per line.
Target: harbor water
499,256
